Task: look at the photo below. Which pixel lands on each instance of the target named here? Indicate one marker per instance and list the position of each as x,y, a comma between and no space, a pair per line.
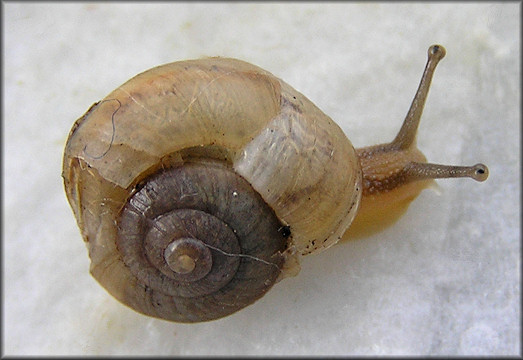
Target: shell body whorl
205,112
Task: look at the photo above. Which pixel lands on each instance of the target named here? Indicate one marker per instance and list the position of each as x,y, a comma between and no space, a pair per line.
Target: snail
199,184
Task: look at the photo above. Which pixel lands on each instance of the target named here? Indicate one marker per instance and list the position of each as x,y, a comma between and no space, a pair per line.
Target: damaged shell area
185,181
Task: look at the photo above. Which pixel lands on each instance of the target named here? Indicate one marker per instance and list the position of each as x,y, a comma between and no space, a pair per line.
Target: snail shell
198,184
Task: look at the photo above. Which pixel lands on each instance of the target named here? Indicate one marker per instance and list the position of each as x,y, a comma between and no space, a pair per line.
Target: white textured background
444,280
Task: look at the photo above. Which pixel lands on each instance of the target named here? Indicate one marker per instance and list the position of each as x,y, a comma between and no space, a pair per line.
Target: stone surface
443,280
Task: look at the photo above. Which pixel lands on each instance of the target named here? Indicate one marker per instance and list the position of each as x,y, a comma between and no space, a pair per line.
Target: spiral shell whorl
296,159
177,213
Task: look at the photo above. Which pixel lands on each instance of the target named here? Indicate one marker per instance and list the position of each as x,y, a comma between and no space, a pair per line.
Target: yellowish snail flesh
199,184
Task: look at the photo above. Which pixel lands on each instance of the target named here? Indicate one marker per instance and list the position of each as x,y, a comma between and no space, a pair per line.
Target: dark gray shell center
200,241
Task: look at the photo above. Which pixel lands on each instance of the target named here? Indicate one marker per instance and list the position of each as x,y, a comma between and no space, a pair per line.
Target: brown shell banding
295,156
